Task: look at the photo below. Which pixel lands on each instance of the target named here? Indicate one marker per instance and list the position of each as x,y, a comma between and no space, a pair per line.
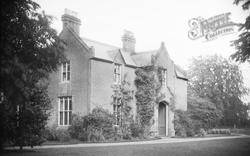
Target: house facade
84,81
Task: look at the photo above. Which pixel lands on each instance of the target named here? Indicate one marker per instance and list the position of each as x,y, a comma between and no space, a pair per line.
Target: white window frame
164,78
118,73
65,68
64,111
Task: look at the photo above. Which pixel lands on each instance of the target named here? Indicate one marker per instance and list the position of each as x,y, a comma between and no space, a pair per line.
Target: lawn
228,147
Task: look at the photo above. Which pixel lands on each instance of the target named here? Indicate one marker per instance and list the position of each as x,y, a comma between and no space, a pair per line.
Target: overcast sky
152,22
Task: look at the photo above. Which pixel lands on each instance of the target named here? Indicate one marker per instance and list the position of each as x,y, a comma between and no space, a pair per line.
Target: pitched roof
180,73
127,58
144,58
108,52
101,50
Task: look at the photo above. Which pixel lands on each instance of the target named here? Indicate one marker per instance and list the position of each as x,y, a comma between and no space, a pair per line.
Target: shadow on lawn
17,151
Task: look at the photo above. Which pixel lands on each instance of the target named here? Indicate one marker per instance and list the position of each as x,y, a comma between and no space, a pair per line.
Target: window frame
117,73
64,111
65,70
164,78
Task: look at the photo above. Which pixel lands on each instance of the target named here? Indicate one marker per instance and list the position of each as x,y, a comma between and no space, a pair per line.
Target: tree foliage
242,44
203,112
183,124
220,81
30,50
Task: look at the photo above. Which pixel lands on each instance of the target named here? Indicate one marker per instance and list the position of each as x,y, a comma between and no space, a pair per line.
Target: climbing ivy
148,94
122,96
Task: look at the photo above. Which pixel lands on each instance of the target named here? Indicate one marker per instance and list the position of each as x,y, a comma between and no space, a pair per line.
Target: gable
71,37
118,58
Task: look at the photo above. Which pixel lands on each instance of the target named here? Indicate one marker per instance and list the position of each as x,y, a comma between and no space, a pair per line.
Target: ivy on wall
148,94
122,96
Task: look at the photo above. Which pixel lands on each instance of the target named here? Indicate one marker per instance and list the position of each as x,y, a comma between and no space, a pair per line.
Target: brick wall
78,85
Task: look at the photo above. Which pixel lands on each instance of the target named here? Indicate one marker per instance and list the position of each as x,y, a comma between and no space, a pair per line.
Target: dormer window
117,74
164,78
65,72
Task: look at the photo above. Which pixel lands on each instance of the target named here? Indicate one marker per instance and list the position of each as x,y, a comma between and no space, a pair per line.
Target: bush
202,132
50,133
183,124
56,134
78,129
63,135
95,127
219,131
136,130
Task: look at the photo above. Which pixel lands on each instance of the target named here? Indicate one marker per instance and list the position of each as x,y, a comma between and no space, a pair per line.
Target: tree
30,50
220,81
242,44
203,112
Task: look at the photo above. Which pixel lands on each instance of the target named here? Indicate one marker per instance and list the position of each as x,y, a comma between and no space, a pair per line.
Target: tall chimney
70,19
128,41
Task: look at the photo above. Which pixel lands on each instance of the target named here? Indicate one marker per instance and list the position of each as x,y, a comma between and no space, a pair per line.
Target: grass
74,141
227,147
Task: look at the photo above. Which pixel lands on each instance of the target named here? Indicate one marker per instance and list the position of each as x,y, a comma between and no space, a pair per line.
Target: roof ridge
143,52
84,38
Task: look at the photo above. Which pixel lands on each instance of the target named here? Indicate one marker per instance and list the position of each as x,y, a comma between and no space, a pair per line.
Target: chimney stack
128,41
70,19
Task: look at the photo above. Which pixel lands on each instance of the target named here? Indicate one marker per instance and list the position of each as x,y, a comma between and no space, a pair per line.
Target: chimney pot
128,41
70,19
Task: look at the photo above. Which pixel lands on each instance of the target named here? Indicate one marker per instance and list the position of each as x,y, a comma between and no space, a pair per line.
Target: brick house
85,81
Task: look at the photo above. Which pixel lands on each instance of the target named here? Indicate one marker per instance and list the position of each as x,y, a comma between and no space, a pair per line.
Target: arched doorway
162,118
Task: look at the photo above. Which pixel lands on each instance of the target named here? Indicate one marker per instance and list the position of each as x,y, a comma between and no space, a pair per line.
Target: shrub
78,129
136,130
56,134
202,132
183,124
63,135
97,126
219,131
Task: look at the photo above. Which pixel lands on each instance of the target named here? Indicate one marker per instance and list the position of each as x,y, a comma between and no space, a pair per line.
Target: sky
152,22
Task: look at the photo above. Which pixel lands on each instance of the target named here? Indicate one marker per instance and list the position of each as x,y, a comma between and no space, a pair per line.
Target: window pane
70,117
120,78
65,118
68,67
70,104
68,76
66,104
119,69
64,76
61,104
114,108
64,67
61,118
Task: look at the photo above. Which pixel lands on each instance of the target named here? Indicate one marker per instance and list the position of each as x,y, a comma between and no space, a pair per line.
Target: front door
162,119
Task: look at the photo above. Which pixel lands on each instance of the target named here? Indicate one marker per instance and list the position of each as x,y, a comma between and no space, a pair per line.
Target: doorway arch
163,118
